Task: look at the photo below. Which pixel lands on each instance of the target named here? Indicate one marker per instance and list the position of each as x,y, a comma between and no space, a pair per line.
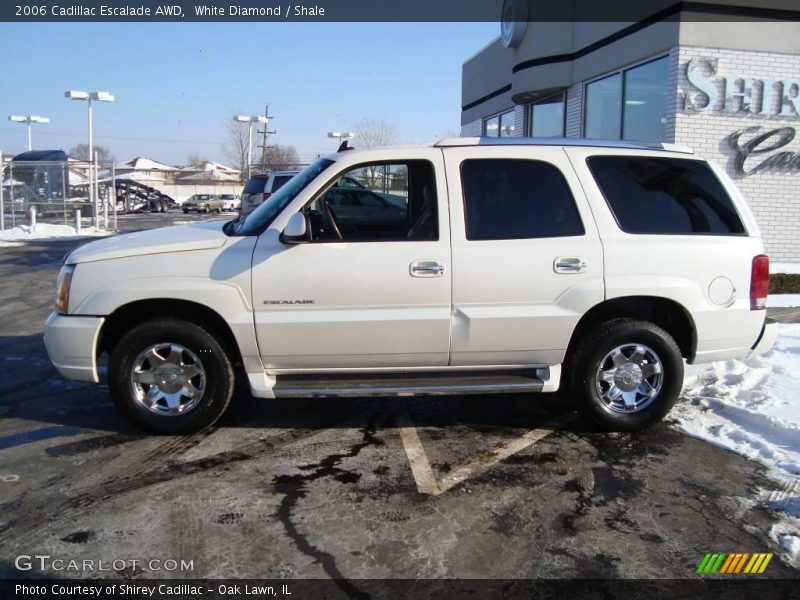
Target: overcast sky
177,84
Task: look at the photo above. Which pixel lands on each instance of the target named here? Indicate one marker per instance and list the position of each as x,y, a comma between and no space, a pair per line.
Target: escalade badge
288,302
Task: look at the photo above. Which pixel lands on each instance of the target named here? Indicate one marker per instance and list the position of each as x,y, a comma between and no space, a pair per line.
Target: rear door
527,258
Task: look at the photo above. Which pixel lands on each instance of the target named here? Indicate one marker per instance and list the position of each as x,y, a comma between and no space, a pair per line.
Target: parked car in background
203,203
230,201
260,187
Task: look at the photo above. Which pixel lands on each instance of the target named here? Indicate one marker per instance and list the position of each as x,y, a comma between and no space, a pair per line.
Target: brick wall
774,197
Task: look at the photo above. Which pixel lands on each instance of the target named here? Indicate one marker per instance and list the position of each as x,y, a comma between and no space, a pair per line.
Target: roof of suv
560,141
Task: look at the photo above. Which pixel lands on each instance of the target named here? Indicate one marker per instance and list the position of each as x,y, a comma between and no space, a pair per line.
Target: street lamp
341,135
89,96
30,119
250,120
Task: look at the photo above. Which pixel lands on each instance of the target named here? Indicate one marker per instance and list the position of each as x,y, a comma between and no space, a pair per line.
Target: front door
365,292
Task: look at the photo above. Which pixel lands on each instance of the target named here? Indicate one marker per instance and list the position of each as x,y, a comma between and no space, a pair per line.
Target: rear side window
255,185
279,182
665,196
510,199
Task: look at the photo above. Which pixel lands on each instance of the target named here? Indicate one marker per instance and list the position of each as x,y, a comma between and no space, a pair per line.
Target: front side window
378,202
665,196
507,199
546,117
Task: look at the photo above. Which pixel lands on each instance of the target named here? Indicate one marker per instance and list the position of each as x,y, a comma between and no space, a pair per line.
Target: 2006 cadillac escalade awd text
508,265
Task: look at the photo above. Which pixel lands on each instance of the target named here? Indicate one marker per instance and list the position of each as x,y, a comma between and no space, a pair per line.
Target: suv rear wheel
626,374
170,376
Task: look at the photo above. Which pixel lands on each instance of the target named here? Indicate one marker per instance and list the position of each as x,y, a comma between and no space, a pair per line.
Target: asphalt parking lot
469,487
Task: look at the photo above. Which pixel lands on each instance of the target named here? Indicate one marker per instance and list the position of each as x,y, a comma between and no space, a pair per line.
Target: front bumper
767,338
71,343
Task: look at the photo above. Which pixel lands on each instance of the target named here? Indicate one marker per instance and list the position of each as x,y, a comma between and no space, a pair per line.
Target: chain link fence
63,192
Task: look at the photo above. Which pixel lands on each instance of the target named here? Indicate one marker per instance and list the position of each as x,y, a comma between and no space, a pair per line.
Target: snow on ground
41,231
783,300
752,407
784,267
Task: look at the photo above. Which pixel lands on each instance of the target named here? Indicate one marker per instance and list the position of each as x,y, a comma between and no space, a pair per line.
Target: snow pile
41,231
752,407
783,300
749,406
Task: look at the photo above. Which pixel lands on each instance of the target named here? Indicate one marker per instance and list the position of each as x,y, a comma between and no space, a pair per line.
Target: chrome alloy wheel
168,379
629,378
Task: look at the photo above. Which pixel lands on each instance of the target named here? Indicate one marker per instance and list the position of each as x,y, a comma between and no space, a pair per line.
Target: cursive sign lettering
769,141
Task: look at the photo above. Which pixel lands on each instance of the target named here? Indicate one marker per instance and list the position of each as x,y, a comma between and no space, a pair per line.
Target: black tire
186,211
218,372
580,376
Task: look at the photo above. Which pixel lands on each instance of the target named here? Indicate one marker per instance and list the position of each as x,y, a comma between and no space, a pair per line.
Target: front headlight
62,288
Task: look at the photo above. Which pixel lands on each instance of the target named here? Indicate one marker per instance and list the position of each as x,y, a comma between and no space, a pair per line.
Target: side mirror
297,230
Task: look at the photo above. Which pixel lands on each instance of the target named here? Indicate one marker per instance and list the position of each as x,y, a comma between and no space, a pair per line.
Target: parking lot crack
293,488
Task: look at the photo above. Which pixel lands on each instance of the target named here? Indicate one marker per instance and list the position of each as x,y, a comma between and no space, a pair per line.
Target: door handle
426,268
569,264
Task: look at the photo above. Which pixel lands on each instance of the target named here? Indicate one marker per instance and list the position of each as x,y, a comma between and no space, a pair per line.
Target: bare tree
373,133
279,158
194,159
81,152
236,146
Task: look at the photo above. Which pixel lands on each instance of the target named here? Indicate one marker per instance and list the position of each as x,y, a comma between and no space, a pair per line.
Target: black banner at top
393,10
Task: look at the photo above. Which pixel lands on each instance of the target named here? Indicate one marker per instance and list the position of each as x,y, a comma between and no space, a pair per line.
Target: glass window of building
546,117
507,124
491,126
629,105
499,125
603,116
645,111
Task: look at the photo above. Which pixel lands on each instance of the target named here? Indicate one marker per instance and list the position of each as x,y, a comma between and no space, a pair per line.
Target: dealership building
725,83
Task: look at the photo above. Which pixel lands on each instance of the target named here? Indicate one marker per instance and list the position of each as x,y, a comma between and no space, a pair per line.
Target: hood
179,238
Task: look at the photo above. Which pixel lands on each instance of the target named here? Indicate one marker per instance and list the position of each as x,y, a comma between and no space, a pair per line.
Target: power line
128,138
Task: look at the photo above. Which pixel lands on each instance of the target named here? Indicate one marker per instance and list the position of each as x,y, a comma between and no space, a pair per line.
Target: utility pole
265,134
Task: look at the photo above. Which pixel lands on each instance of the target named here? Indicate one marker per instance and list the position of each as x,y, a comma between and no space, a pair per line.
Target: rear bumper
769,333
71,343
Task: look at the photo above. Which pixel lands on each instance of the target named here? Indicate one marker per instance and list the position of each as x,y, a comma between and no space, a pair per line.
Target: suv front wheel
626,374
170,376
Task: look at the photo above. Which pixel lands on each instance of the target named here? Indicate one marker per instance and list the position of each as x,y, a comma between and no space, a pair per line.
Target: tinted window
665,195
515,199
255,185
279,182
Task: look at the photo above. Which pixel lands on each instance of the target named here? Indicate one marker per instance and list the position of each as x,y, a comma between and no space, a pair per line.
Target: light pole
30,119
88,97
341,135
250,120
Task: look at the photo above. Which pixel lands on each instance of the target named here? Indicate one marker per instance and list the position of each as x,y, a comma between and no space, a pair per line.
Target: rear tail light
266,195
759,282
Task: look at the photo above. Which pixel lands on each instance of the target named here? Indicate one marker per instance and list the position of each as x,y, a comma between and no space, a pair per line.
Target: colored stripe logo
735,563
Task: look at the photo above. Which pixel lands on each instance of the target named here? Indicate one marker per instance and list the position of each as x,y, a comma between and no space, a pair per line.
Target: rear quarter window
654,195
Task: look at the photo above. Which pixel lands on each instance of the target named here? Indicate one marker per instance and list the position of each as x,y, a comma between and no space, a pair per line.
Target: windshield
261,217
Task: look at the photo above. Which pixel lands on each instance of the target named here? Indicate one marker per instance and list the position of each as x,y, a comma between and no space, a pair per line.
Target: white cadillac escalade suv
471,266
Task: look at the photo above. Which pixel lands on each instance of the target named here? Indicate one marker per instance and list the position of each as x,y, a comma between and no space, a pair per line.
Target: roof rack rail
560,141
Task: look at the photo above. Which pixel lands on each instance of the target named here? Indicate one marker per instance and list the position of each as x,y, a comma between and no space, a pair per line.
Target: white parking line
421,467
